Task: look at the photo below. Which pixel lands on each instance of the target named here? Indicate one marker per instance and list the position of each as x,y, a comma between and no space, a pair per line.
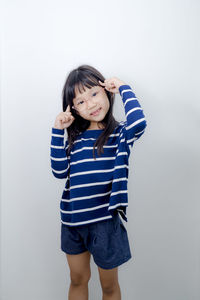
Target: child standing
95,162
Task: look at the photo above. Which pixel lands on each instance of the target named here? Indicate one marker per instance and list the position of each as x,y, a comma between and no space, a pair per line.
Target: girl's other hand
112,84
64,119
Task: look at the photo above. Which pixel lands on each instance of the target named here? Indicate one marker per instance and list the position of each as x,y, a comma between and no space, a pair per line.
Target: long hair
86,76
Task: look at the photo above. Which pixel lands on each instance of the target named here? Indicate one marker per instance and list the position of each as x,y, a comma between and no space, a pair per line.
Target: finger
66,119
108,82
107,88
62,120
67,113
69,118
68,108
109,85
101,82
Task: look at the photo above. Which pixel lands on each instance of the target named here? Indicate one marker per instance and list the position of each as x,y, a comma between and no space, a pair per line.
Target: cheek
85,116
107,104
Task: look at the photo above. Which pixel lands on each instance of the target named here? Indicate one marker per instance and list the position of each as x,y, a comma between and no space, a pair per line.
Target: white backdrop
152,45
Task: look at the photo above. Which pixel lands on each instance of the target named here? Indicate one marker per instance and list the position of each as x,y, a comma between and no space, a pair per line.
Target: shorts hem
74,253
104,266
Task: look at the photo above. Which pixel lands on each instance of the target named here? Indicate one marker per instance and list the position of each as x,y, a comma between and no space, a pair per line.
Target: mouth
96,112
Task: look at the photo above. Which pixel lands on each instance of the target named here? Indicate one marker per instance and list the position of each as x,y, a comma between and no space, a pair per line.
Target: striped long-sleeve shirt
96,189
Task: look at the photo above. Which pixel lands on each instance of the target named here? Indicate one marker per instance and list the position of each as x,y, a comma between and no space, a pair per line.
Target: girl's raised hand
64,119
112,84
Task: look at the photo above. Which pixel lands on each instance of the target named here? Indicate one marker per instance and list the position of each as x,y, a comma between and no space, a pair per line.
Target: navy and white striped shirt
95,190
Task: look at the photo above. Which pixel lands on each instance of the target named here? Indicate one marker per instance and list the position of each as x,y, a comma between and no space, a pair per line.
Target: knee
109,289
80,279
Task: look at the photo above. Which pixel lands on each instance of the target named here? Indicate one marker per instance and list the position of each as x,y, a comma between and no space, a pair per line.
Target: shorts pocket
122,225
108,227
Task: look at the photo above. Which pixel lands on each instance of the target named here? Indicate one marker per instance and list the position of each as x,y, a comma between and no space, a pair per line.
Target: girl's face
92,99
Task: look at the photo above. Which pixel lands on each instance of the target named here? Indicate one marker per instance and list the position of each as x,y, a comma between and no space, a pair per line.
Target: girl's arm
135,123
59,160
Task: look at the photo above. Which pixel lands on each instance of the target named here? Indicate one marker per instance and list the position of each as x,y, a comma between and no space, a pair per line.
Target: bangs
84,81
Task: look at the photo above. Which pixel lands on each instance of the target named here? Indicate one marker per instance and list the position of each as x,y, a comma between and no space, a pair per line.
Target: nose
90,104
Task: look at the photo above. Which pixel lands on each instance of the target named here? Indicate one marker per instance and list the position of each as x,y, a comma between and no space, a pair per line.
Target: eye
80,102
95,93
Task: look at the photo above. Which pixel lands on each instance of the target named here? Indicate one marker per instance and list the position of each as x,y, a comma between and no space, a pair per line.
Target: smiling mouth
96,112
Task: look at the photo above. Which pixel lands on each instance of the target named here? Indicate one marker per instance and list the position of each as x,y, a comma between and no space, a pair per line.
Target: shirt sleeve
135,123
59,160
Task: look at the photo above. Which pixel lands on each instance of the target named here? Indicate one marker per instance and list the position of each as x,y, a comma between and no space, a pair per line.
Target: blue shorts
106,240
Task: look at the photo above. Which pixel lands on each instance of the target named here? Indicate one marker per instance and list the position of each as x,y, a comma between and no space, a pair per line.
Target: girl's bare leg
80,274
109,283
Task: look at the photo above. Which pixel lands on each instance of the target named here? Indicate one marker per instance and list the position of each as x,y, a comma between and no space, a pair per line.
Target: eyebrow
94,87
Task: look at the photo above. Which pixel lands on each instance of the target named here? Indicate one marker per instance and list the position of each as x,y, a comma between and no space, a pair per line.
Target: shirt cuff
59,131
123,87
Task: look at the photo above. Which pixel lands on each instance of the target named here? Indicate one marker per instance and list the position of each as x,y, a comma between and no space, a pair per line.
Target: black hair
86,76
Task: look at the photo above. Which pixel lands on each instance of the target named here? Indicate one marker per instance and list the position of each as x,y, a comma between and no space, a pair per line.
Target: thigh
79,265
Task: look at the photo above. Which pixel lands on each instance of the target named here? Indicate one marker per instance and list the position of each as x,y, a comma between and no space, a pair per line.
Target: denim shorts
106,240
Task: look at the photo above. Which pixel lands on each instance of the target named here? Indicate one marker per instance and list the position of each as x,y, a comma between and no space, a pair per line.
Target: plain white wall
153,46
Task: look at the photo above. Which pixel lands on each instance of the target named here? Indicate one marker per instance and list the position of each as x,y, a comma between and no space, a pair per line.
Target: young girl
95,162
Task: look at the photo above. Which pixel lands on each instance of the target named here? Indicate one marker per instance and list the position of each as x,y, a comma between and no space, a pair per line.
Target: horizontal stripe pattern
135,123
97,189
